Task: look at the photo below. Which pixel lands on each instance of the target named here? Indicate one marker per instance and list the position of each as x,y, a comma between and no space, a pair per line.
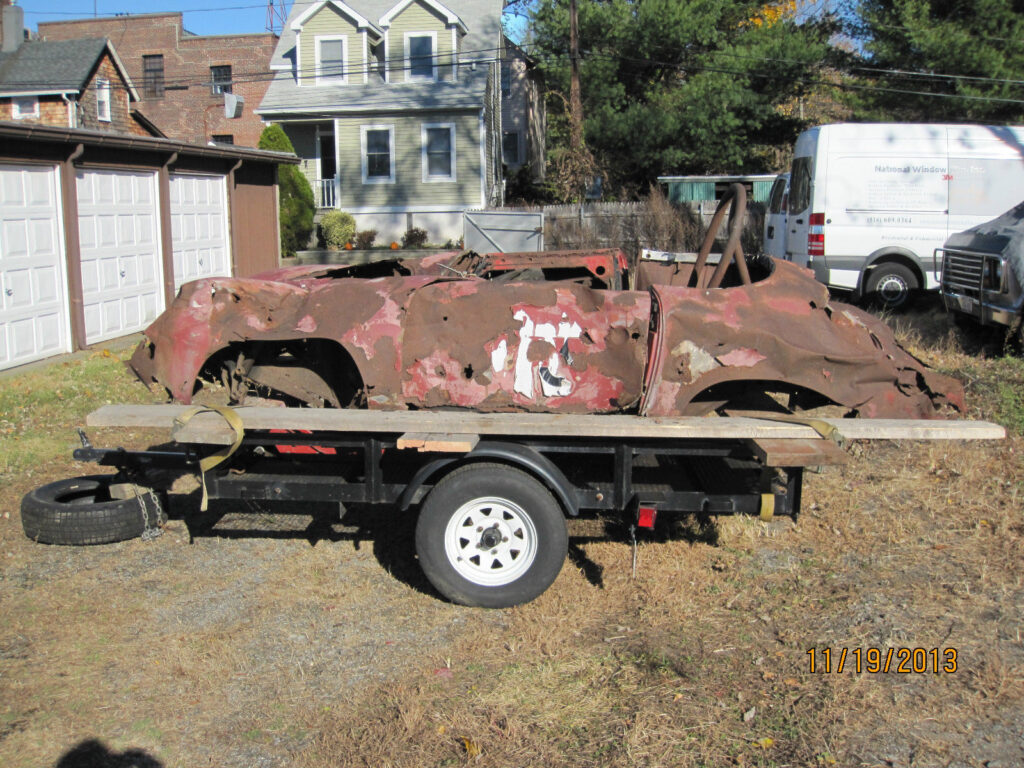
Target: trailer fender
514,454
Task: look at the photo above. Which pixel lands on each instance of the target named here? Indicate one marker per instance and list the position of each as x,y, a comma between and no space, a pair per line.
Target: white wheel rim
490,541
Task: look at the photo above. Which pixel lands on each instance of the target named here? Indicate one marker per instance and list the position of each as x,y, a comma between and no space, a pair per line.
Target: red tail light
816,235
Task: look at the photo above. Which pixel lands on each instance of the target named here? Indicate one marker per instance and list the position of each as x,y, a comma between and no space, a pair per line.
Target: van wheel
492,536
891,286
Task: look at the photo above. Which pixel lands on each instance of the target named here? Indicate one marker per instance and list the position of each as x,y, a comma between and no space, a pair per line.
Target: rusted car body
550,332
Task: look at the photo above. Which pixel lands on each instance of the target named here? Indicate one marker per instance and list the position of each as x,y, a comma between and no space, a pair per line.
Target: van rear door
775,218
799,217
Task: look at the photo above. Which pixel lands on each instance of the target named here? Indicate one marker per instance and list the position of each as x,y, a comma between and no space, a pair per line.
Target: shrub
414,237
338,228
296,206
365,238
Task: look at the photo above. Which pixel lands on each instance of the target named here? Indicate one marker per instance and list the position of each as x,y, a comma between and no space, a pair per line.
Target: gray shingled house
394,108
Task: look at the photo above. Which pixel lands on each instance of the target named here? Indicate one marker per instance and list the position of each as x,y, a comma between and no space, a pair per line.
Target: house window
510,148
103,100
330,60
153,76
438,140
220,79
378,145
419,56
25,107
223,138
506,79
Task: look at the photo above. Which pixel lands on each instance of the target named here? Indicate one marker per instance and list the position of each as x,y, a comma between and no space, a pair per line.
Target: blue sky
203,17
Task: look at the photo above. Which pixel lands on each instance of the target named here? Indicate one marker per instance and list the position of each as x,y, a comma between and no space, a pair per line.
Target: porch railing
327,195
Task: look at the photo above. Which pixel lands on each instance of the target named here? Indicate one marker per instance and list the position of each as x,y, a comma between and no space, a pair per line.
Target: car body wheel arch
515,455
224,353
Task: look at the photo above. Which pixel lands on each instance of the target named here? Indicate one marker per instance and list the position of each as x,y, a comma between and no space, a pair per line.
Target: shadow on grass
390,532
92,753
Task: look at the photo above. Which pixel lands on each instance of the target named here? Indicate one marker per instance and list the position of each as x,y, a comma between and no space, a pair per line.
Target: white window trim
363,129
427,178
21,114
333,80
409,76
103,97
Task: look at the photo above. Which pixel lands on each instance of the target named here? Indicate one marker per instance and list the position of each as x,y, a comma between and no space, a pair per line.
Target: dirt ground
291,638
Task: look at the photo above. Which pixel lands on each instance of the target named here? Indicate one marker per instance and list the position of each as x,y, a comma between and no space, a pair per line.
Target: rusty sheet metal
364,316
425,337
785,329
530,346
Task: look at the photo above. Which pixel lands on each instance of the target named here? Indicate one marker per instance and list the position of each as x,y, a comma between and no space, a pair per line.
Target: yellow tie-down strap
823,428
209,462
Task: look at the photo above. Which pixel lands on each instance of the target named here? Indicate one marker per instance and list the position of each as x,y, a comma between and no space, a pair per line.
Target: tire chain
150,530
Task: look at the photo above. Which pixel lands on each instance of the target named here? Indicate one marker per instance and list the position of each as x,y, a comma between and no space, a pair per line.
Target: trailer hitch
134,460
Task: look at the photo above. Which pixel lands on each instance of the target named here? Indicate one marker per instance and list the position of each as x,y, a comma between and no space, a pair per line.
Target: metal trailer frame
534,469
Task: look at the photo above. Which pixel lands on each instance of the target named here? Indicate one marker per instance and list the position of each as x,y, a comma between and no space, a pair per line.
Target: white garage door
199,226
33,283
119,233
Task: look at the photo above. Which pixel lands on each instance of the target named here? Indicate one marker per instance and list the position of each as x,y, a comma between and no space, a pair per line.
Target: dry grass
247,648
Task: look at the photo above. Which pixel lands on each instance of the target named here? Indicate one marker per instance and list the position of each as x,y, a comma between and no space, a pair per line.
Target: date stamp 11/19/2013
904,661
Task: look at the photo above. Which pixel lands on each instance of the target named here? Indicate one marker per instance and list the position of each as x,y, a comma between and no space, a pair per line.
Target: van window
777,195
800,185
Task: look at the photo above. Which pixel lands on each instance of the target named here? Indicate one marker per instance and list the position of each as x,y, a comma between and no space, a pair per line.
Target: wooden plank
798,452
438,443
412,440
211,428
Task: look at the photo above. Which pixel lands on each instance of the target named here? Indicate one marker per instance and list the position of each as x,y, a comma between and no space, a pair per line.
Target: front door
328,170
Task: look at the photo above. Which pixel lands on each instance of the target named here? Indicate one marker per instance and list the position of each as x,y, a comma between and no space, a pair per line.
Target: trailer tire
80,510
492,536
891,286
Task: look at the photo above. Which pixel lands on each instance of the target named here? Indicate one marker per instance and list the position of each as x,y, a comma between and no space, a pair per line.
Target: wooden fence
654,224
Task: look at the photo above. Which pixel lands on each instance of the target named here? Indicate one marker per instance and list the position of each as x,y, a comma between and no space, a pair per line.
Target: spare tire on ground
95,509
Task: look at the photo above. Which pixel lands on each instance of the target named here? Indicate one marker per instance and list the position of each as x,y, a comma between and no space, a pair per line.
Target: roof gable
451,19
60,66
360,21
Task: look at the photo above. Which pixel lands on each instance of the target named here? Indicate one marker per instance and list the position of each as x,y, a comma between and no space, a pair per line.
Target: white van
774,243
870,202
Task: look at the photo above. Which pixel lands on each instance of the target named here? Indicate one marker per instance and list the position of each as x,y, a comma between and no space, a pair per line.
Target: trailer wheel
81,510
891,286
492,536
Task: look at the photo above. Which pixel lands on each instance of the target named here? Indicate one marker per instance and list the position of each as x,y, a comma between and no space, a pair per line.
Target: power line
186,82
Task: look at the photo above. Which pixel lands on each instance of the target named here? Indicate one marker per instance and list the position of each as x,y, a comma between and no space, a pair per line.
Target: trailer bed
210,428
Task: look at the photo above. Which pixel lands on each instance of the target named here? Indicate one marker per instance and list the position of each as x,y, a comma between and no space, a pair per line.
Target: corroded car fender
364,316
785,328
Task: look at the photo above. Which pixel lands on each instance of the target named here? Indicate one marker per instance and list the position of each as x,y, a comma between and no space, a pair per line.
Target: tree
672,87
295,194
968,53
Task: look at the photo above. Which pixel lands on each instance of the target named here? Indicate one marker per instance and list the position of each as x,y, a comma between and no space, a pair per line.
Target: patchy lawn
294,640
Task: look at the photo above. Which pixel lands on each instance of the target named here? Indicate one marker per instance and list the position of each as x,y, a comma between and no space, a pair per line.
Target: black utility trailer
493,490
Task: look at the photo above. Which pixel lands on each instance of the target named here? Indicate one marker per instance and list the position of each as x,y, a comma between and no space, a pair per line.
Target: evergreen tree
674,88
908,45
295,194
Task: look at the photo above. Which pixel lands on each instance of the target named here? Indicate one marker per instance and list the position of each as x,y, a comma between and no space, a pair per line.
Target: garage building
99,230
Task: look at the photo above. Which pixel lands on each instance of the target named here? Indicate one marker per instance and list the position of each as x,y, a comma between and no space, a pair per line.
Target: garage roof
46,134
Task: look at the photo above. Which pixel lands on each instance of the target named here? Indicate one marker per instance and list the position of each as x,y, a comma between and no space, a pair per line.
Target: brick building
184,79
